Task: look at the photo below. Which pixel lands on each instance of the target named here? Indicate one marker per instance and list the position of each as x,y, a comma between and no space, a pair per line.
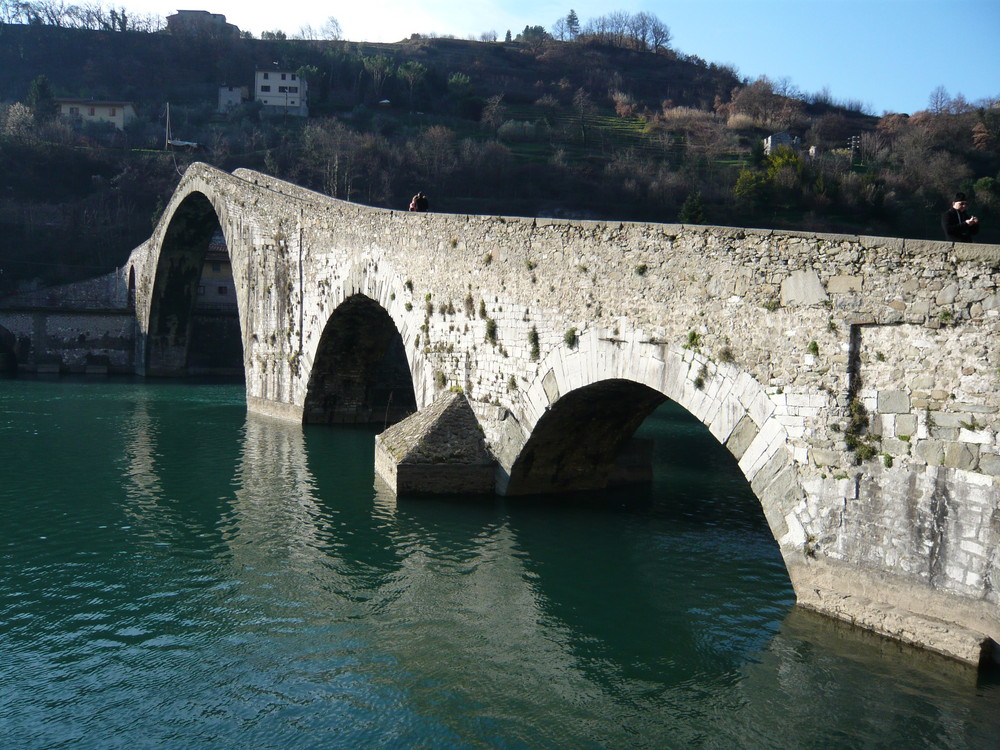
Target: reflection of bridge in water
856,380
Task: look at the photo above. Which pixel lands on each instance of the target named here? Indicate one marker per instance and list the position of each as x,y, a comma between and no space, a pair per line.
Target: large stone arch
177,256
360,371
610,386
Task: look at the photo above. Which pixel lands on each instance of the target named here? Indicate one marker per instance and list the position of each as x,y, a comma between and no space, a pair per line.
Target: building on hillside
232,96
118,114
217,290
281,92
781,139
200,23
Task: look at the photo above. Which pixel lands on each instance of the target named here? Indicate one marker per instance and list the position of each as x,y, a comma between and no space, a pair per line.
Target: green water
176,574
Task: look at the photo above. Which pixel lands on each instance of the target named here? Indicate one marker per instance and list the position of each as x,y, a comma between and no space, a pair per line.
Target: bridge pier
439,450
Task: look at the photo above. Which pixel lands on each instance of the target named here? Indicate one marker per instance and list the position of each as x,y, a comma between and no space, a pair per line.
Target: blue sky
886,54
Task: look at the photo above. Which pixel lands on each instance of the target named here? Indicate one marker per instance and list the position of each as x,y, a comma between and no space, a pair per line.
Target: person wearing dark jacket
957,224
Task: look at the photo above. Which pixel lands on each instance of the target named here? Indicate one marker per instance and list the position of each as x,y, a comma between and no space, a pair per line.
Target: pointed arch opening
360,374
194,326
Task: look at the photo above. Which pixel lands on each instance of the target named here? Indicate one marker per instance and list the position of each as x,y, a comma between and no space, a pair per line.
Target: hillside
581,129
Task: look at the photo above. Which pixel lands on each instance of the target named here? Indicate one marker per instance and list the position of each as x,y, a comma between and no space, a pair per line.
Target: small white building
281,92
232,96
118,114
781,139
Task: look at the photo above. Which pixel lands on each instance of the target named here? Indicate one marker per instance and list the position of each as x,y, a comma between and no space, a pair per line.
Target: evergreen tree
573,23
43,104
693,210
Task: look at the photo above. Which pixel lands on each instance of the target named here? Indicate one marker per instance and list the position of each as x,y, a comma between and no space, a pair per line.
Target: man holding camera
957,224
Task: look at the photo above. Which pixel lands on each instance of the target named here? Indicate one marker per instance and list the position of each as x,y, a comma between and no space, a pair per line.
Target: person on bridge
957,224
419,202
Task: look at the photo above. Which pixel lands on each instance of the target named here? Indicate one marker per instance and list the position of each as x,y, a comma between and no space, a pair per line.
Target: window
293,76
282,76
114,111
216,267
223,291
282,89
90,111
265,88
75,111
293,89
201,289
265,76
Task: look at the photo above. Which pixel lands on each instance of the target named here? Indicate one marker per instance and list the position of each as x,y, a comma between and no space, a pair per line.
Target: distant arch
8,351
599,418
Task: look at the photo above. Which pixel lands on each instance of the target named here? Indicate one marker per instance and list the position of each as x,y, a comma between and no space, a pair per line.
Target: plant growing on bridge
856,436
571,339
491,330
482,308
693,341
813,347
533,340
641,269
470,305
699,380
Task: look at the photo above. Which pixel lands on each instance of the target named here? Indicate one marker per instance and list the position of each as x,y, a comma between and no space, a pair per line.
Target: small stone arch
612,386
360,371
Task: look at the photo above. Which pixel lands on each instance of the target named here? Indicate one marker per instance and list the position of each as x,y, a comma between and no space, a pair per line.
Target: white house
118,114
281,92
232,96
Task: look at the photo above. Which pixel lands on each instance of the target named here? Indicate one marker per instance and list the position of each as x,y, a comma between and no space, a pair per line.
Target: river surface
177,574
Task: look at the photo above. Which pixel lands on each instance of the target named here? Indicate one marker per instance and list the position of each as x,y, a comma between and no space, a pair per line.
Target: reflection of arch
360,372
175,287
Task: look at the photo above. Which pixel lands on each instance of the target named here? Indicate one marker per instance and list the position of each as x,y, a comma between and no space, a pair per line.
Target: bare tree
331,29
939,100
494,113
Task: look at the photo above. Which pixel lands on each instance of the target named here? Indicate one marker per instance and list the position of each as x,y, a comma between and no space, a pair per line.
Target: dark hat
959,196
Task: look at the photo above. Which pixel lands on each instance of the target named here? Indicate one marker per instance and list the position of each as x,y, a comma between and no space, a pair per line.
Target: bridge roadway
856,380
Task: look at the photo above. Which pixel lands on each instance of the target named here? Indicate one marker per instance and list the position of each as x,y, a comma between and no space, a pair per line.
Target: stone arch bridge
856,380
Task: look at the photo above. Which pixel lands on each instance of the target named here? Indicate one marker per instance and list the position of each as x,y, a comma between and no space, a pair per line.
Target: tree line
579,129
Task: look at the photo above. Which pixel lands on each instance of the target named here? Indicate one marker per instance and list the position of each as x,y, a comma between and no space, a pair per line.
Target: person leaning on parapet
957,224
419,202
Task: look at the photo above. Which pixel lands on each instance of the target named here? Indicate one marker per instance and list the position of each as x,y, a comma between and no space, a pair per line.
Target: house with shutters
118,113
281,92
